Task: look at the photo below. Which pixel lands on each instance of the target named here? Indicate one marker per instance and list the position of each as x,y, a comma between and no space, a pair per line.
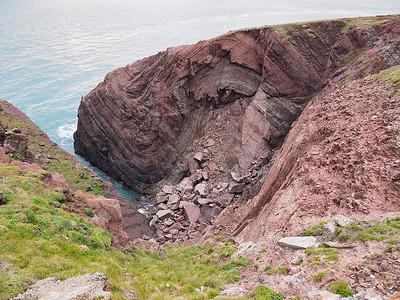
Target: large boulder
87,286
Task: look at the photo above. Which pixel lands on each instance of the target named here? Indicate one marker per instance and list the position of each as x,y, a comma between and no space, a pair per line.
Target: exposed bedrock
142,123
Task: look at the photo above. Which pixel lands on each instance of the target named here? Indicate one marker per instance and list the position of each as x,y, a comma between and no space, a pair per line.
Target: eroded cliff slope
142,123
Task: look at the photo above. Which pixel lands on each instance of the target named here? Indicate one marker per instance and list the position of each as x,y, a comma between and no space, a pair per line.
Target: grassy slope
77,177
43,241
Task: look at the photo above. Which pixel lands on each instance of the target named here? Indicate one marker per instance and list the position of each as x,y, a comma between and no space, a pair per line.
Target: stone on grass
297,242
342,220
129,294
3,228
82,287
329,230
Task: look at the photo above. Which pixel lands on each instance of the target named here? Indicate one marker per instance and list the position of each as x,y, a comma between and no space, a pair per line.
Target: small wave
66,131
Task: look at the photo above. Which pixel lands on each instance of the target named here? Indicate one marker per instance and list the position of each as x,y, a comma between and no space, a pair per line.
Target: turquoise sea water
53,52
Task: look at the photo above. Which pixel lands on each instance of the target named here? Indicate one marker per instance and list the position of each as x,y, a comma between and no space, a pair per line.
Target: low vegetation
42,240
61,162
363,21
340,287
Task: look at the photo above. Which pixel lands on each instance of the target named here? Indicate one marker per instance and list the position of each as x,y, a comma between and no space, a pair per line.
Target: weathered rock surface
204,112
338,159
298,242
141,123
82,287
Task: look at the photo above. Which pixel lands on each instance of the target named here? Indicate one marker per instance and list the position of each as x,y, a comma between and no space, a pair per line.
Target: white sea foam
66,131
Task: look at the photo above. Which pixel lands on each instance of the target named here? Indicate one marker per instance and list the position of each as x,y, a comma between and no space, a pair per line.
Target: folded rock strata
140,123
224,106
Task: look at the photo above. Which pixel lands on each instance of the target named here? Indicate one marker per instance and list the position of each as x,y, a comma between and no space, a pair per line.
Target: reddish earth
201,126
340,157
144,121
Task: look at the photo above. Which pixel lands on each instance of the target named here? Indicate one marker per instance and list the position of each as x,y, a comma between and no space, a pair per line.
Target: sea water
54,51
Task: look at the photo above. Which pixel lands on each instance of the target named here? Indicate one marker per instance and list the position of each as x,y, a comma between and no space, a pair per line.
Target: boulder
329,230
161,199
87,286
162,206
209,143
193,165
225,199
164,214
182,204
185,185
167,189
208,213
199,156
236,177
237,188
298,242
212,166
173,200
192,212
203,201
201,189
342,220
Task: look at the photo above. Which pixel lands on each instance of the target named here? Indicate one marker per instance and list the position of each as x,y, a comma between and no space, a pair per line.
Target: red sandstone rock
140,124
339,158
192,212
242,90
164,214
4,159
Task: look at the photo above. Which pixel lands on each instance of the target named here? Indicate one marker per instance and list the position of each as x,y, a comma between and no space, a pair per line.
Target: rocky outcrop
141,123
22,142
339,157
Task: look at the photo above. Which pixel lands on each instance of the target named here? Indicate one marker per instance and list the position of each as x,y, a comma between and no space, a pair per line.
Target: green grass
322,256
362,21
315,230
78,178
389,76
43,241
318,277
340,287
388,231
88,212
262,292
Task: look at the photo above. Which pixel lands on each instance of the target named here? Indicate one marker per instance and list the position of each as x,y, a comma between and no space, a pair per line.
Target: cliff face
140,125
24,145
204,123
